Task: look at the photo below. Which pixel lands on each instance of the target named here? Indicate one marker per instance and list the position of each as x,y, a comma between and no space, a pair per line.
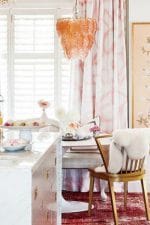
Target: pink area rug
102,212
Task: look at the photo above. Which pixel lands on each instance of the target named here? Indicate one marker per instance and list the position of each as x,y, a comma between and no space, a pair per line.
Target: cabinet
30,188
44,210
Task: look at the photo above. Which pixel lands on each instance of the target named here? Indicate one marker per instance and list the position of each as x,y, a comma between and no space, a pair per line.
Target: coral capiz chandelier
77,35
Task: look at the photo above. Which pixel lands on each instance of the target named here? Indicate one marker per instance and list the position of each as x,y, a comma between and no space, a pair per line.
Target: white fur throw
135,143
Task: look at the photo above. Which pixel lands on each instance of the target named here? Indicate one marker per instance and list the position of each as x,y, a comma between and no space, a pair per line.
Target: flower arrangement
68,120
73,125
95,129
43,104
15,142
61,114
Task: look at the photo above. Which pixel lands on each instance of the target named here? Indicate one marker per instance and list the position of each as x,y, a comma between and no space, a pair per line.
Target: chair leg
125,193
112,195
90,194
145,199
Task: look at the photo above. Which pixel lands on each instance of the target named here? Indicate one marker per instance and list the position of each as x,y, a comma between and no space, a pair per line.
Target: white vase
44,117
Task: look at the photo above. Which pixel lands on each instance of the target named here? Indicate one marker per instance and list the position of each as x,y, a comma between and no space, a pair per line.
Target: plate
14,148
75,138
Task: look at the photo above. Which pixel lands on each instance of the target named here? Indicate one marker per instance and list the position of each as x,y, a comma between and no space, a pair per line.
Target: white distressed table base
74,206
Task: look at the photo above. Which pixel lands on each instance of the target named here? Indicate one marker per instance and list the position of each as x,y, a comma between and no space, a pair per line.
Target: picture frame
140,75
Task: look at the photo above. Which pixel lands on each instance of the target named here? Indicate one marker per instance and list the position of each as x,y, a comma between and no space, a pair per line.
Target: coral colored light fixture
76,34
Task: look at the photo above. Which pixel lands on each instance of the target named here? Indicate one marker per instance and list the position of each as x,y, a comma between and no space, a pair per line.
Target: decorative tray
74,138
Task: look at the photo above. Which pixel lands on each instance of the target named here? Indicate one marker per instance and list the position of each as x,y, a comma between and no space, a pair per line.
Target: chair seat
81,160
137,175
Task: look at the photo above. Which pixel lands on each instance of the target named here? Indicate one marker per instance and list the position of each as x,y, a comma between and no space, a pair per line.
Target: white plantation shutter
65,72
37,66
65,82
34,80
33,63
3,61
34,33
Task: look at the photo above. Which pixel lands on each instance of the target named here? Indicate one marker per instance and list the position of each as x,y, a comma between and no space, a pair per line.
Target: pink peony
74,125
43,104
94,128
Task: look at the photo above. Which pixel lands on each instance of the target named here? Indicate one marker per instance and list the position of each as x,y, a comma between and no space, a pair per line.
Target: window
37,69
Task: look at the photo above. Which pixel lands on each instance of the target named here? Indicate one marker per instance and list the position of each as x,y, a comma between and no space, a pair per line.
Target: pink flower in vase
73,125
43,104
95,129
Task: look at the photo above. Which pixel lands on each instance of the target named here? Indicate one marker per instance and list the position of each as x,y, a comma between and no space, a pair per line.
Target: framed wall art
141,75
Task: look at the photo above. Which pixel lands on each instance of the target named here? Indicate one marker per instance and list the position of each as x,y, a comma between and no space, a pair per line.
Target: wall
139,11
43,3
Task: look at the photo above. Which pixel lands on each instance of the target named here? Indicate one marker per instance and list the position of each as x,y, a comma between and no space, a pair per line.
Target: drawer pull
47,215
46,174
35,193
42,204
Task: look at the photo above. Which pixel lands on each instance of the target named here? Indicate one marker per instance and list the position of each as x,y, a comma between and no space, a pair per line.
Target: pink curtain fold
100,81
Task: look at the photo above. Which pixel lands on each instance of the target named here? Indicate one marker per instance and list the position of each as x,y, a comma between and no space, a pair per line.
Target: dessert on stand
17,130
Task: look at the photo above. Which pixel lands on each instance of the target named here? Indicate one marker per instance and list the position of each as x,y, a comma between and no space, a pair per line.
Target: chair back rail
103,150
131,165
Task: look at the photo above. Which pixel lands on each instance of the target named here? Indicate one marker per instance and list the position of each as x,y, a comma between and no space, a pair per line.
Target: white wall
139,11
50,2
42,3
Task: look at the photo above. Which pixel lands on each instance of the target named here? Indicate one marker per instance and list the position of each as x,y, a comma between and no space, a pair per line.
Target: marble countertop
29,159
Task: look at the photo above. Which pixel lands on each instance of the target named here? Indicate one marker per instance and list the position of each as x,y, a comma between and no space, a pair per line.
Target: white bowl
14,148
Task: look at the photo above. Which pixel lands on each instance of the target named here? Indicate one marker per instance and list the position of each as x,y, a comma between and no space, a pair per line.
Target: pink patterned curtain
100,82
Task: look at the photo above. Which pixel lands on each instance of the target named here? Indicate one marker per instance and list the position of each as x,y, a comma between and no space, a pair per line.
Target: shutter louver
33,63
65,82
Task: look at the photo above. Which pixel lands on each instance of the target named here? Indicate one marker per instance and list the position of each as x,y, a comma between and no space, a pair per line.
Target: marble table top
85,143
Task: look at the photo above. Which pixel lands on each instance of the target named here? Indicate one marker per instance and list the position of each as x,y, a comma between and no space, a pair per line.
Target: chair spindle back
131,165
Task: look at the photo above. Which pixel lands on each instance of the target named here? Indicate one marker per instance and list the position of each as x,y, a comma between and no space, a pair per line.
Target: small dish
14,148
15,144
70,137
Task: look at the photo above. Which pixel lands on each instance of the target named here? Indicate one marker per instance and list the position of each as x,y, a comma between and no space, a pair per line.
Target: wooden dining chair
132,171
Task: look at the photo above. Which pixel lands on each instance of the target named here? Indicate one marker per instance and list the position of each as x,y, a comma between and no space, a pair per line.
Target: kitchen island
30,183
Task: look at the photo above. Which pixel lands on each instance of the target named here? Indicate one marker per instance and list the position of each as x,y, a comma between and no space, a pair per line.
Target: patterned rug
102,212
